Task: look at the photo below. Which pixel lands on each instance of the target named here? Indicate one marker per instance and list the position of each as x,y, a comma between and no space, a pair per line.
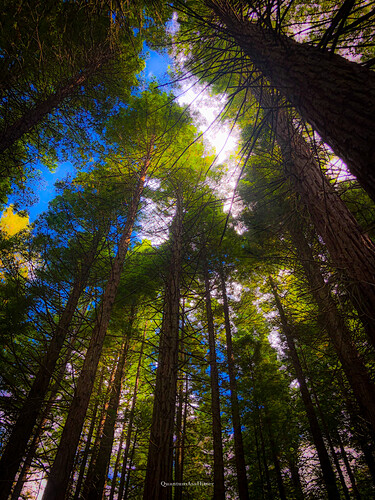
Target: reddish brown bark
328,474
334,95
89,474
130,467
89,436
131,420
219,484
117,463
61,469
22,430
180,431
104,453
160,453
243,492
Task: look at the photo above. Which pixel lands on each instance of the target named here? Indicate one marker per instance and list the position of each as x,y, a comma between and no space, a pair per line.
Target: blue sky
156,67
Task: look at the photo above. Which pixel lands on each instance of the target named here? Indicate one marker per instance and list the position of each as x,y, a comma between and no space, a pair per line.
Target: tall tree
332,94
328,474
59,476
238,441
160,455
219,485
104,453
15,449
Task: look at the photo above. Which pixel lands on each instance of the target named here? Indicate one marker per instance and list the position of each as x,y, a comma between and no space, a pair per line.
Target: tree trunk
264,457
296,480
160,453
332,321
34,116
117,463
131,419
104,453
275,459
348,468
180,420
89,475
328,474
23,428
328,435
38,433
126,492
61,469
363,433
350,250
334,95
219,484
86,450
243,492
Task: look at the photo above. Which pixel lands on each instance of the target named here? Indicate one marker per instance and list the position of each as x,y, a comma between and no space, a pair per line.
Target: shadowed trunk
32,117
296,480
23,428
219,485
350,250
126,492
336,328
180,417
104,453
61,469
238,443
327,434
44,419
160,453
348,468
334,95
275,458
264,457
117,463
131,419
328,474
89,475
86,450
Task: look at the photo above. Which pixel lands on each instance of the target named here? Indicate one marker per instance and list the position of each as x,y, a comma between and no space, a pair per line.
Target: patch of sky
157,65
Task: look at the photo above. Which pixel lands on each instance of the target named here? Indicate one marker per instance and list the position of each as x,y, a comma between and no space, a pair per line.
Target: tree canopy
181,323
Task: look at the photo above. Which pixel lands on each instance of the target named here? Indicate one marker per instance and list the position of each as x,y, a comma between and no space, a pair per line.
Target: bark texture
62,467
131,420
160,453
104,453
181,416
334,95
86,451
32,449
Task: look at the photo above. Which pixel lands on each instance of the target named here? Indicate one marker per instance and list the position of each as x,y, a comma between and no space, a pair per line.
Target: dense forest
176,325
